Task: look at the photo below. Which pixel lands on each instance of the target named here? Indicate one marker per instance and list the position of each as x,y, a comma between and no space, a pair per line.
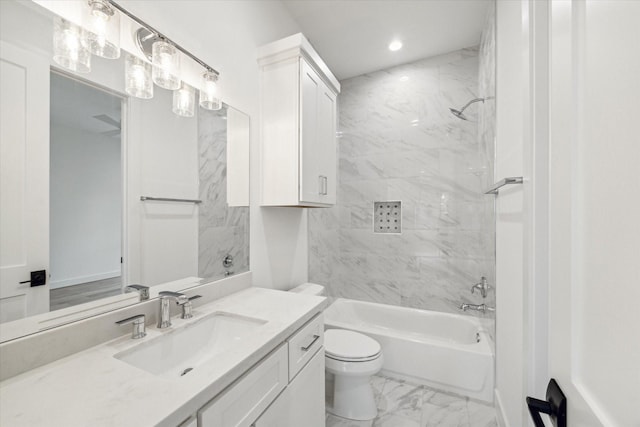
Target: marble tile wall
222,229
399,141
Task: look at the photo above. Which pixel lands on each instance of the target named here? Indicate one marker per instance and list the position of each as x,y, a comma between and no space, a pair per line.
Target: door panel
327,143
310,154
24,190
595,210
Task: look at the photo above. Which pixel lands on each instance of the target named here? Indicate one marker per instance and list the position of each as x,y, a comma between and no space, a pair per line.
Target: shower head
460,113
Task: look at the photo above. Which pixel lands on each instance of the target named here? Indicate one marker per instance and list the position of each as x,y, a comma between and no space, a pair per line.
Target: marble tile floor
402,404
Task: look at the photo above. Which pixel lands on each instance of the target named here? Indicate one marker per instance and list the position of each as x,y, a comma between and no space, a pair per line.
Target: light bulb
166,65
184,100
395,45
70,48
138,81
103,26
209,96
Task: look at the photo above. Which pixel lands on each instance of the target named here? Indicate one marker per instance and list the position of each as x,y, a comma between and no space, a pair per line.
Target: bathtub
450,352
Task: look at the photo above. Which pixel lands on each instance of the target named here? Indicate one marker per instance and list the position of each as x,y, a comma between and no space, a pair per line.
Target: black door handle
38,278
555,406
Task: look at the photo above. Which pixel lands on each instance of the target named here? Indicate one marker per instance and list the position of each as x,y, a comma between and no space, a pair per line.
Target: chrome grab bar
166,199
506,181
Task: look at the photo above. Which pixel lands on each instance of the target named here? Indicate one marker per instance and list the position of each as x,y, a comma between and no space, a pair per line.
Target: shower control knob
227,262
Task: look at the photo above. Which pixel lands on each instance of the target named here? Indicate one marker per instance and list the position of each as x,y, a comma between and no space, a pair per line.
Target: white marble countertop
92,388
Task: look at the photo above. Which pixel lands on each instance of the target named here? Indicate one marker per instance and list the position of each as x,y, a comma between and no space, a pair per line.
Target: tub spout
479,307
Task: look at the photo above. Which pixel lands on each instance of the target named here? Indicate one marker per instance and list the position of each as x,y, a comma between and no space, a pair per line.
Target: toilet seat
350,346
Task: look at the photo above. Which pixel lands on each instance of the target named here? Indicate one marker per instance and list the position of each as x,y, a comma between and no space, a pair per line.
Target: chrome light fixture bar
157,35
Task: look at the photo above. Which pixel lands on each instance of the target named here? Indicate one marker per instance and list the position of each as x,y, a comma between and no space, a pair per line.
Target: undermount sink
183,349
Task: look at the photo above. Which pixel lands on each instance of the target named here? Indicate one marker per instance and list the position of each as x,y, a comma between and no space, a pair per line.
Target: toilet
352,358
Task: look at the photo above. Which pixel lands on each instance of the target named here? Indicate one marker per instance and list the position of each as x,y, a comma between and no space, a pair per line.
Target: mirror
78,157
85,193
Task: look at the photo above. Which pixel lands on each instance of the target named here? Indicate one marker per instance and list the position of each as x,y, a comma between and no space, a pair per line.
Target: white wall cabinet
298,125
276,392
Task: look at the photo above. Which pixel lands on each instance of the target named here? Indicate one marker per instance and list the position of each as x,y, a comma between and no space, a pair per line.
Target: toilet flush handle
315,338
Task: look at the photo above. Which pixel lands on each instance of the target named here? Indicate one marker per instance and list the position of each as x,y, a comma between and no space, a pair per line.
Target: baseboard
55,284
500,416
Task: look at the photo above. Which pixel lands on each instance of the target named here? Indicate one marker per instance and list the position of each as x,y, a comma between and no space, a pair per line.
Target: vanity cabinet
298,404
298,116
251,394
285,389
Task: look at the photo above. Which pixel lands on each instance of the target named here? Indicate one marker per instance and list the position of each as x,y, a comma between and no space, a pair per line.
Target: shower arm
472,102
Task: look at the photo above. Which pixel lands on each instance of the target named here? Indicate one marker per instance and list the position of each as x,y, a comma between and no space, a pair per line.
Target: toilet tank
310,289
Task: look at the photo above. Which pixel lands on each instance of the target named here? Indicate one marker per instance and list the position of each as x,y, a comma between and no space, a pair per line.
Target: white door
594,215
24,177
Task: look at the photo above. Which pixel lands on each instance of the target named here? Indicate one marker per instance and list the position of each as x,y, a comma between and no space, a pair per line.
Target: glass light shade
209,96
184,100
70,46
137,77
103,27
166,65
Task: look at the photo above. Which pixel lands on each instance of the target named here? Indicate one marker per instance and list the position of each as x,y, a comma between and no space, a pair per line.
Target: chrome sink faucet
482,286
142,290
477,307
166,297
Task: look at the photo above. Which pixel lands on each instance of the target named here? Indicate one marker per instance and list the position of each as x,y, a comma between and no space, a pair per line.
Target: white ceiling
353,36
80,106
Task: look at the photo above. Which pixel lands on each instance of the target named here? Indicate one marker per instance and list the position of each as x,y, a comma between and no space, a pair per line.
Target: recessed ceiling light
395,45
404,78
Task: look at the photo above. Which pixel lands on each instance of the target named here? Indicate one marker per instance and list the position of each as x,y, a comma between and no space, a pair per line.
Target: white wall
226,34
162,161
85,206
510,135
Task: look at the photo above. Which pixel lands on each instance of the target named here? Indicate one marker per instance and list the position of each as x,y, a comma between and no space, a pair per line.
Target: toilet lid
347,345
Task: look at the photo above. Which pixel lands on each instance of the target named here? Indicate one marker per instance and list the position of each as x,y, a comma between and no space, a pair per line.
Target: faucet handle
138,322
187,307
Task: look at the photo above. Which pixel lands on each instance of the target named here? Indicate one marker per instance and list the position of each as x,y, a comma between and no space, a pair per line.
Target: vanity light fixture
395,45
184,100
70,48
166,65
209,97
137,74
100,34
103,26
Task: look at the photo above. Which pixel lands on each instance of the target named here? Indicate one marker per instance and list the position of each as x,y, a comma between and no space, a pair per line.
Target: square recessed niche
387,217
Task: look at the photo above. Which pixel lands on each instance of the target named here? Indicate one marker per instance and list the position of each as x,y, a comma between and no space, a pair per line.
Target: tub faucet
477,307
482,286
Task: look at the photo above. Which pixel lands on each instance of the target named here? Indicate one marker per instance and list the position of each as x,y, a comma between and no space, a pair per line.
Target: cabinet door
249,396
302,402
326,144
311,181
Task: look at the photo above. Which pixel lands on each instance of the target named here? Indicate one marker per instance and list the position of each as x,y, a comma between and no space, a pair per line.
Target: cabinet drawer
247,398
304,344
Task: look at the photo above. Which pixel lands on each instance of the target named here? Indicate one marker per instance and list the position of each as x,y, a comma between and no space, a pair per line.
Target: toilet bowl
352,358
